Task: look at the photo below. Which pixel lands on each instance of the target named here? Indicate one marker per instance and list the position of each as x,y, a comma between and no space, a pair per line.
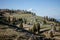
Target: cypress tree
9,19
38,27
44,22
21,25
51,34
14,19
54,28
34,28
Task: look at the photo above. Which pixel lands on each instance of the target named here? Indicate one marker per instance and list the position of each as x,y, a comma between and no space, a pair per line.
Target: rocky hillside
26,25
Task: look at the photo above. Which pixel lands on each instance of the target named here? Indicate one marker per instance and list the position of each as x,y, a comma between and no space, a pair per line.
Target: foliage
44,22
9,19
51,34
25,20
54,28
21,25
38,27
34,28
21,20
50,19
14,20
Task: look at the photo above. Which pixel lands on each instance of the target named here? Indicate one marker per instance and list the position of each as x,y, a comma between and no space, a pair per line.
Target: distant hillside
58,20
24,14
17,11
29,16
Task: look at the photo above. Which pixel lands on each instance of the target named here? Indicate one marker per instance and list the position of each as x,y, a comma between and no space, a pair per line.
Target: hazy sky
41,7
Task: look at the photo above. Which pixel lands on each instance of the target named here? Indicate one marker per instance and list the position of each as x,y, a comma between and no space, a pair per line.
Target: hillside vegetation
26,25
